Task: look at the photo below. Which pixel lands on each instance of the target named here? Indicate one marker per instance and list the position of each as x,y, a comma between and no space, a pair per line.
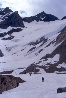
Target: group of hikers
42,77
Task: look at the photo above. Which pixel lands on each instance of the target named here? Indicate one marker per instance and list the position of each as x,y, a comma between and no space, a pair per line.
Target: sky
33,7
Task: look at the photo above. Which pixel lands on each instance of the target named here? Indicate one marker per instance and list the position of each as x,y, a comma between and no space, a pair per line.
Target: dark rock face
3,34
8,82
41,17
8,38
51,68
63,18
10,32
62,36
13,20
33,48
42,39
6,72
61,50
31,68
1,54
61,90
14,30
5,11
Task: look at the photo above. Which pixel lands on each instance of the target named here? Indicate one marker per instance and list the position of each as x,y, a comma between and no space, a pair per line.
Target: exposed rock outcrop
10,33
63,18
61,50
41,17
8,82
31,68
61,90
62,36
1,54
13,20
4,11
6,72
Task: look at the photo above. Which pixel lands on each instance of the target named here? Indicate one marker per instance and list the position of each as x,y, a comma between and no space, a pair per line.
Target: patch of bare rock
8,82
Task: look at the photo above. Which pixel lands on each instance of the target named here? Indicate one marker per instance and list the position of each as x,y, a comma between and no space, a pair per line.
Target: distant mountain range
63,18
4,11
10,18
41,17
30,47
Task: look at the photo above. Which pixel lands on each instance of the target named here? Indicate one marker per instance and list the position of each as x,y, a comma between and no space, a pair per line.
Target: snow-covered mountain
39,43
4,11
38,47
64,17
41,17
10,18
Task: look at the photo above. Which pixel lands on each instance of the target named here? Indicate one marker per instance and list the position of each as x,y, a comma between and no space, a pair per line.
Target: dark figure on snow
42,79
30,73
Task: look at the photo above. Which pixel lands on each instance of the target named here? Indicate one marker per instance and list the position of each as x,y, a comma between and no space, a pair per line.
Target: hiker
30,73
25,72
42,79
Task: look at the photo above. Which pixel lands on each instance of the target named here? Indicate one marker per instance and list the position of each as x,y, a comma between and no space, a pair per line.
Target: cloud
22,13
18,5
55,7
33,7
0,5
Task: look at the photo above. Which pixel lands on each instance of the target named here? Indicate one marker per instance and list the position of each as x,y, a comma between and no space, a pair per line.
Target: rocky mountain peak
41,17
63,18
4,11
12,19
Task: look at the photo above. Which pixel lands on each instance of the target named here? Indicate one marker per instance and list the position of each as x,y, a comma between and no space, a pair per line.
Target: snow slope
35,88
16,50
28,46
